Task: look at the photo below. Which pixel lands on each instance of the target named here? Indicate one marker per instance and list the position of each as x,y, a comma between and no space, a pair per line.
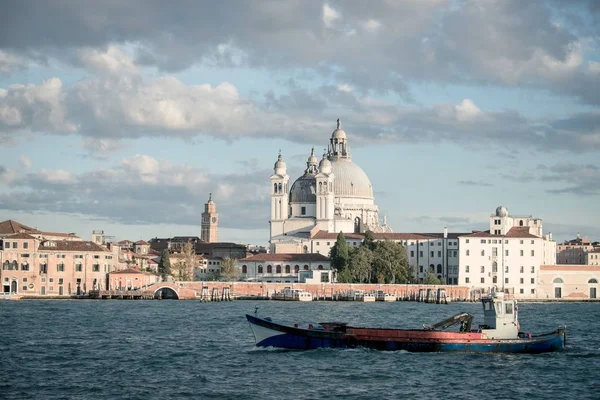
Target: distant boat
381,295
289,294
500,333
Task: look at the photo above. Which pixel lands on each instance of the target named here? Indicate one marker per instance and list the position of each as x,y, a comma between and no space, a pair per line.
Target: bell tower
279,196
210,222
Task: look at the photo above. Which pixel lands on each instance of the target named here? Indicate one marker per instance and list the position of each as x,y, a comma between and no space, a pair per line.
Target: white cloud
25,162
58,177
343,87
112,61
10,63
371,25
330,16
467,110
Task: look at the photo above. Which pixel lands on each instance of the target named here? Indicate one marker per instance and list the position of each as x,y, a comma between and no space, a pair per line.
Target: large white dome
350,180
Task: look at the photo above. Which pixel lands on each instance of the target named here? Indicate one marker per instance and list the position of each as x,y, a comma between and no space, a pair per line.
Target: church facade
333,195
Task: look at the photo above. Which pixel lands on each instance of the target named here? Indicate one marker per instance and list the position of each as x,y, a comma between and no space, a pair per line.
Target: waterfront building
506,257
131,279
333,195
40,266
574,251
286,267
10,227
593,257
569,282
210,222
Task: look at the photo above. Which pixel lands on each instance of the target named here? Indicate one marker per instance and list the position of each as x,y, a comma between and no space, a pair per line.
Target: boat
356,295
289,294
499,333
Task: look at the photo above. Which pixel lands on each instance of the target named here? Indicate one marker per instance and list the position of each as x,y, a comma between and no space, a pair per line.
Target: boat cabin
500,317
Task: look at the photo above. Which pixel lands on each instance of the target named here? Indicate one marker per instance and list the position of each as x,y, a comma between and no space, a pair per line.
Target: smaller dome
304,190
312,160
501,212
325,165
339,132
280,166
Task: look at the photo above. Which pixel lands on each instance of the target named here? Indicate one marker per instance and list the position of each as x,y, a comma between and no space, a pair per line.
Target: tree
369,240
431,279
185,267
164,267
360,264
390,262
229,269
340,254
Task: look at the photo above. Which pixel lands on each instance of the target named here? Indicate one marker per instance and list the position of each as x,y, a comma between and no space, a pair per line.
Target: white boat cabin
500,317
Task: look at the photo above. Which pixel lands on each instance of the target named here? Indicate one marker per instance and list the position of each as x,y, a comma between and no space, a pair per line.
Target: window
78,267
432,254
412,253
494,252
466,240
467,269
483,241
421,253
296,269
287,269
521,269
260,269
505,280
244,269
467,280
508,308
506,253
521,251
43,269
96,256
483,269
532,241
96,268
303,211
305,267
532,253
532,291
521,281
60,281
25,245
521,290
320,267
7,245
483,252
506,269
278,269
521,241
468,252
24,279
15,245
482,280
328,243
60,267
269,269
25,267
532,269
439,253
532,280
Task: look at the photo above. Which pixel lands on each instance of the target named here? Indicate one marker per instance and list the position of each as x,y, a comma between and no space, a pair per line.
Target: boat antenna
255,310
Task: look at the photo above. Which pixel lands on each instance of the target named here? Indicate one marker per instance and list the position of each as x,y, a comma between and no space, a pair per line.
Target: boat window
508,308
488,306
498,308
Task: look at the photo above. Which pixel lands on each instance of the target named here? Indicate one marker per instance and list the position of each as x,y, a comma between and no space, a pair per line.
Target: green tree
164,266
339,255
431,279
390,262
369,241
229,269
360,264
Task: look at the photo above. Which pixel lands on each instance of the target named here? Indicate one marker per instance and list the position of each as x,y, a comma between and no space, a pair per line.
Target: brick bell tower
210,222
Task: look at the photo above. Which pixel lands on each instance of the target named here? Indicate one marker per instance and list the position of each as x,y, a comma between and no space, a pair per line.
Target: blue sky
124,117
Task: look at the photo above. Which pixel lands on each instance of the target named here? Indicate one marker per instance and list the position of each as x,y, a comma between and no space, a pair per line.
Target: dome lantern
280,167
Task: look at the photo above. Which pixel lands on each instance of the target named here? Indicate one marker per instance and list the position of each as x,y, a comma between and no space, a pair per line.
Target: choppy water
187,349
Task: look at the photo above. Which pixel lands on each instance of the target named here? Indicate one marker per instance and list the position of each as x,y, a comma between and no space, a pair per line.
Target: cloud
140,190
474,183
581,180
535,44
10,62
25,162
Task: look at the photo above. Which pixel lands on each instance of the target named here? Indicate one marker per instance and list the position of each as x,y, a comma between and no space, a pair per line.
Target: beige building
281,267
569,282
574,251
39,266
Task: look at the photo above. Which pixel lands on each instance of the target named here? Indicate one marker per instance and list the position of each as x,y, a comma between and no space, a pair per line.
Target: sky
124,116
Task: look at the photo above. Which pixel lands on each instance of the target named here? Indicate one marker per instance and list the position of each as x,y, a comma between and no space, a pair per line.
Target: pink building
131,279
40,266
574,251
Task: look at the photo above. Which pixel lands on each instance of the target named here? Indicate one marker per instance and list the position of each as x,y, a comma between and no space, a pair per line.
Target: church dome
339,132
501,212
350,180
304,190
312,160
325,165
280,167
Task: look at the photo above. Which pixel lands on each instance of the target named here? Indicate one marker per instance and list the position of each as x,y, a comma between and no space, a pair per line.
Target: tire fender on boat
351,342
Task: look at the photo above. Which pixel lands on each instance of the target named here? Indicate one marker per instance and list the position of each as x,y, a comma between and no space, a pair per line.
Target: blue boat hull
270,334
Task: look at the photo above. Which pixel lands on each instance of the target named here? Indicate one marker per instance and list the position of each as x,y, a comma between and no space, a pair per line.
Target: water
187,349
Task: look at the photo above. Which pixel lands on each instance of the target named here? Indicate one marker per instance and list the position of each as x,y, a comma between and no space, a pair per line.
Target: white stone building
508,256
332,195
283,267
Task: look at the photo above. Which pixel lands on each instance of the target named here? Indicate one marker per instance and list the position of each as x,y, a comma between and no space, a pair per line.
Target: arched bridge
168,290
